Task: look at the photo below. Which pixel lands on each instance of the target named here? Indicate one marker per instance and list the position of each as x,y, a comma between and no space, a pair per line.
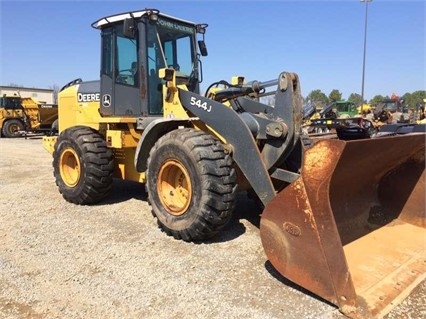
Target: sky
50,43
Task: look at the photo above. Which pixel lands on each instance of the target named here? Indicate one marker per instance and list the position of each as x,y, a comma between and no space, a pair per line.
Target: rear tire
191,184
83,165
11,127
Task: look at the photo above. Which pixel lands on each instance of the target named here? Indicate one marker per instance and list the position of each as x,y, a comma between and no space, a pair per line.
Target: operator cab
10,102
135,46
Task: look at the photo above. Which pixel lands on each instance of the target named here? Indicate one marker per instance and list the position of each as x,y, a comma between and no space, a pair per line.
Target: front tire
12,127
191,184
83,165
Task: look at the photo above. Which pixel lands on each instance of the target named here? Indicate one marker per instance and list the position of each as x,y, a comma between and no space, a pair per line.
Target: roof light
152,14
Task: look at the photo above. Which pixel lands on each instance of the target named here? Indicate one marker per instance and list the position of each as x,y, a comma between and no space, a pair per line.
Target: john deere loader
343,219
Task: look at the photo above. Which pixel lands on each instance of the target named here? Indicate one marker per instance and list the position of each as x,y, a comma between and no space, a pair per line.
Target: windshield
170,44
390,106
345,107
10,102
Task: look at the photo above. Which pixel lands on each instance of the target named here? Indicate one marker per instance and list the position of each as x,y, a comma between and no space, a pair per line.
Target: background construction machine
391,111
335,118
345,109
20,115
344,219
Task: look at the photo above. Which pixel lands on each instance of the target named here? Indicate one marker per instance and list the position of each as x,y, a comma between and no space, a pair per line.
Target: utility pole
365,50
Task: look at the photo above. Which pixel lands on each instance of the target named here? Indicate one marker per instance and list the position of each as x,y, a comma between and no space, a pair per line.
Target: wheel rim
14,128
174,187
69,166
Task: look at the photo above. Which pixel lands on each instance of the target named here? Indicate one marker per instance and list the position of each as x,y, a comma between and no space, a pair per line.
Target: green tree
317,97
335,95
412,100
355,98
376,100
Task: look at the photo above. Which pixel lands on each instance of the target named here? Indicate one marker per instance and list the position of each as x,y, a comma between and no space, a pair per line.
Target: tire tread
218,183
98,163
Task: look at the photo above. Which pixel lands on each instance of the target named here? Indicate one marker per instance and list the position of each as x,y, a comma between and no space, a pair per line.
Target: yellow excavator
343,219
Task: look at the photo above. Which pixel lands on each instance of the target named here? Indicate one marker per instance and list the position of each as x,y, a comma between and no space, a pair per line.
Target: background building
41,95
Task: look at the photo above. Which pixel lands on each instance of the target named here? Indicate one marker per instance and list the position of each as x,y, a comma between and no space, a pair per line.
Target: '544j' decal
201,105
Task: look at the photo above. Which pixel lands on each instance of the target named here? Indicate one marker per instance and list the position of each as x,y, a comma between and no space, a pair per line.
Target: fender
152,133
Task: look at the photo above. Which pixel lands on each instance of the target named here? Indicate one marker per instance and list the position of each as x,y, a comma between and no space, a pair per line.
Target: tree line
412,100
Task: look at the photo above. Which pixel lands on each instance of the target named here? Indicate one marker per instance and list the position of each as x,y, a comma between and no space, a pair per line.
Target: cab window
126,60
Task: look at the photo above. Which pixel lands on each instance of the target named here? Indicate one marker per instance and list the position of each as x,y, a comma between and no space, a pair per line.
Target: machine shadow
123,190
245,209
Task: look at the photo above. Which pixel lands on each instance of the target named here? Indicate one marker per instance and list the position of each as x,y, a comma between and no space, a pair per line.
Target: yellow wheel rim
14,128
69,167
174,187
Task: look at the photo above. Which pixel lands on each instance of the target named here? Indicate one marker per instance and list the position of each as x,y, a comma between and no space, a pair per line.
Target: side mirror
203,47
129,29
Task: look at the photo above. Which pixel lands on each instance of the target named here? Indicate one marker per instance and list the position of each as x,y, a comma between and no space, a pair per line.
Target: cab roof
101,23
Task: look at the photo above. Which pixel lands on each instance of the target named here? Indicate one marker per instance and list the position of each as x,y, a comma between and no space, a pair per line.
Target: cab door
119,76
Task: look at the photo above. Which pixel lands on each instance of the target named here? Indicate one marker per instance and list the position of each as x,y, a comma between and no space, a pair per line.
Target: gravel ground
59,260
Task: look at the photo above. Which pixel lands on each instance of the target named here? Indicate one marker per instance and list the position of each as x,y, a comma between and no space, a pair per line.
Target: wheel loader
343,219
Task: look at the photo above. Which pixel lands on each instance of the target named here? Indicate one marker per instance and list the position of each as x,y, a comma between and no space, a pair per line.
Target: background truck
22,115
343,219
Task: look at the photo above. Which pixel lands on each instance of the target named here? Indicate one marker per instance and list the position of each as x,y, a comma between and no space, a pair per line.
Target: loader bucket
352,228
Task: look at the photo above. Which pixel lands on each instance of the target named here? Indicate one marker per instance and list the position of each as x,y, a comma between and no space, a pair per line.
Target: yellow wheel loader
343,219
